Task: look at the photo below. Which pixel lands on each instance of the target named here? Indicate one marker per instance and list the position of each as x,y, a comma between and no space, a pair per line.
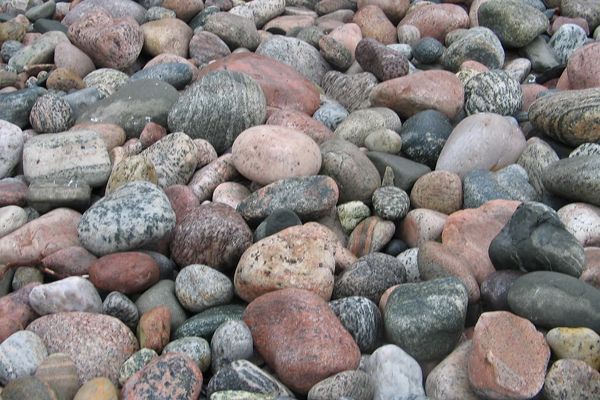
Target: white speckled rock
11,219
261,10
132,216
11,146
199,287
174,158
20,355
494,92
69,155
583,221
69,294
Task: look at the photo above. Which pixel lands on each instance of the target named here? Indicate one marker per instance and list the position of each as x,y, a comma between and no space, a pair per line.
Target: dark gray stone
494,289
16,106
427,319
44,10
535,239
355,385
362,318
493,91
424,135
380,60
165,264
163,294
44,25
118,305
133,106
45,196
369,277
311,35
245,376
177,75
406,172
509,183
206,323
218,107
351,91
335,53
541,55
551,299
428,50
575,178
277,221
478,44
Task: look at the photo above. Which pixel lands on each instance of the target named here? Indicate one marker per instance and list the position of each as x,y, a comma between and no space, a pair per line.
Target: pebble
319,349
350,214
509,183
134,168
573,178
535,158
571,379
205,324
162,294
28,387
436,20
231,341
575,343
477,44
581,70
69,294
178,75
450,379
20,355
581,8
118,305
370,235
60,373
374,24
199,287
127,272
97,389
348,384
380,60
493,92
106,80
196,348
361,123
11,219
439,191
424,135
16,106
391,203
136,362
233,29
582,221
277,221
168,35
40,51
174,158
428,50
566,40
154,328
361,317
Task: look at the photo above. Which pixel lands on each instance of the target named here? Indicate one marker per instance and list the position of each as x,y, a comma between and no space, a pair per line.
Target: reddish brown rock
170,376
421,225
591,270
374,24
128,272
300,338
292,258
39,238
230,193
393,9
302,122
213,234
509,357
182,199
184,9
469,233
206,47
151,134
583,68
12,193
154,328
206,179
407,95
15,312
370,235
439,191
530,93
283,87
70,261
437,20
348,35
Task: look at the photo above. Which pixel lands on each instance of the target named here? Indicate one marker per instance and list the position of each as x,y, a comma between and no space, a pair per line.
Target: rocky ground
276,199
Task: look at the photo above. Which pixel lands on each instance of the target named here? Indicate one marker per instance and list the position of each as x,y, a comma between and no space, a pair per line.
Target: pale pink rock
591,270
530,93
449,380
168,35
509,357
68,56
437,20
267,153
206,179
408,95
206,152
28,245
230,193
439,191
374,24
560,21
583,221
70,261
182,199
393,9
583,68
482,141
349,35
300,121
286,23
421,225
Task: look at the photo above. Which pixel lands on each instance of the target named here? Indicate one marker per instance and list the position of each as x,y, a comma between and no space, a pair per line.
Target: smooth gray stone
163,294
206,323
509,183
44,10
575,178
551,299
81,100
177,75
231,341
44,25
16,106
234,30
45,196
477,44
41,51
354,385
406,172
133,106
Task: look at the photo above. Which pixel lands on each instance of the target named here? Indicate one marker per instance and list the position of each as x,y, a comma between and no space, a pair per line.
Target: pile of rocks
274,199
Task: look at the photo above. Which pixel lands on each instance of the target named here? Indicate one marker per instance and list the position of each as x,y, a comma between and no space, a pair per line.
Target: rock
535,158
71,58
134,215
361,123
355,175
154,328
53,231
481,141
575,343
436,20
331,114
60,373
133,105
234,30
350,214
348,384
231,341
408,95
568,116
106,80
380,60
228,193
135,363
450,379
509,183
97,389
11,147
26,275
494,289
282,85
361,317
582,221
162,294
176,74
581,8
244,376
98,344
573,178
28,387
69,294
370,235
335,53
421,225
304,58
350,91
430,328
174,159
15,311
428,50
509,357
478,44
384,140
551,299
566,40
45,196
131,169
196,348
128,273
205,324
395,374
11,219
424,135
561,376
493,92
110,42
118,305
582,71
205,180
309,197
374,24
516,23
301,122
169,35
302,357
20,355
40,51
265,154
536,239
16,106
405,172
199,287
277,221
116,8
219,92
263,11
172,375
391,203
439,191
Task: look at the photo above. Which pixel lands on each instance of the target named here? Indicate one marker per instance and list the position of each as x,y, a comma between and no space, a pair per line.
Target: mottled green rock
136,362
207,322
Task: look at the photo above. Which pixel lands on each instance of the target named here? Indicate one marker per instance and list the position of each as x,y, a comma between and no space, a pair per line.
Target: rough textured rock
174,158
199,287
449,380
571,379
69,294
493,92
348,384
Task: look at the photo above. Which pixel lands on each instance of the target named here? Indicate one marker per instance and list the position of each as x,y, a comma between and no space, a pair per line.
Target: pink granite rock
437,20
302,122
583,67
439,191
70,261
449,380
230,193
393,9
374,24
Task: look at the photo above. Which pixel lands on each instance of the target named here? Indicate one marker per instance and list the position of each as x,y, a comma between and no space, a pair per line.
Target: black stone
395,247
406,172
277,221
424,135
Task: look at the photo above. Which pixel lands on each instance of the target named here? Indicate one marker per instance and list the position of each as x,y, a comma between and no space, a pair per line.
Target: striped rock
573,116
351,91
60,373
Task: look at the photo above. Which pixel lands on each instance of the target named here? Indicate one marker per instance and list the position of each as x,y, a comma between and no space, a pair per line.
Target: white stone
11,219
70,294
11,146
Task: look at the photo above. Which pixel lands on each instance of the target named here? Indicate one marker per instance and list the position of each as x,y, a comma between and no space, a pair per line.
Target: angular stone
154,328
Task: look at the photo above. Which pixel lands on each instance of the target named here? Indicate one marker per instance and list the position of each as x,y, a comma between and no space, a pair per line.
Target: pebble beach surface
300,199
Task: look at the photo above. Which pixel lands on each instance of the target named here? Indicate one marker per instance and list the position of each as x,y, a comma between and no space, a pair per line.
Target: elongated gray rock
79,155
218,107
570,116
575,178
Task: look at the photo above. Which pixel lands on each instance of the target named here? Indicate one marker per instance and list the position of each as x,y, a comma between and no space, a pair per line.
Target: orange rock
374,24
154,328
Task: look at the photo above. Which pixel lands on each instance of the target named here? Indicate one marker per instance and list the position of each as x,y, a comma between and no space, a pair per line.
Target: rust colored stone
154,328
15,312
128,272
